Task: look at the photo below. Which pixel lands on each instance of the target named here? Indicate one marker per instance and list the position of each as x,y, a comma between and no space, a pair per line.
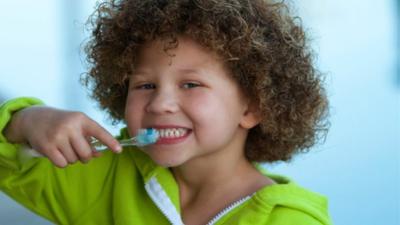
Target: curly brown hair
264,47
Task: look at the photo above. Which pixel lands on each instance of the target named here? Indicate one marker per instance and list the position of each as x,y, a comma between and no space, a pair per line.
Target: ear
251,116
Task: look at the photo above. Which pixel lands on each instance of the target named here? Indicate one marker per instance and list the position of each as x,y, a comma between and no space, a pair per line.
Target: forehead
187,53
188,57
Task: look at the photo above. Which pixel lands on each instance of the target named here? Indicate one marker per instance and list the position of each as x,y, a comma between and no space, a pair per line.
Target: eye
189,85
146,86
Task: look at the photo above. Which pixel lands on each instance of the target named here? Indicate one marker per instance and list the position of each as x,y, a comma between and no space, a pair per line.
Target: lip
167,126
168,141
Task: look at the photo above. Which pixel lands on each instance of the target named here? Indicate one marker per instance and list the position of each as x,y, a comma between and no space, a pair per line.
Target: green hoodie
129,188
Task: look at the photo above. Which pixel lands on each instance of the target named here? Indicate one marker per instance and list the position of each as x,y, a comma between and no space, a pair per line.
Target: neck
212,177
209,172
221,183
219,176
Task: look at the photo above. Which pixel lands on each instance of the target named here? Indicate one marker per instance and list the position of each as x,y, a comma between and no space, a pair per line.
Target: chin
167,161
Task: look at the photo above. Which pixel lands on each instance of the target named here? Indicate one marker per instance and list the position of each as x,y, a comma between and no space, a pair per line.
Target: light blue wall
358,166
356,41
40,56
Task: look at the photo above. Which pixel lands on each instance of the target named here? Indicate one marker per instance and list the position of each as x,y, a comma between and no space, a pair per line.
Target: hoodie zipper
228,209
167,208
163,202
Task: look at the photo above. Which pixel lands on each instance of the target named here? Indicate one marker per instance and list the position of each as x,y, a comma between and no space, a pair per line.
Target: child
227,84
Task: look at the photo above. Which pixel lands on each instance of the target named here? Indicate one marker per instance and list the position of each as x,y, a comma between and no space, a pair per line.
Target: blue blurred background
358,48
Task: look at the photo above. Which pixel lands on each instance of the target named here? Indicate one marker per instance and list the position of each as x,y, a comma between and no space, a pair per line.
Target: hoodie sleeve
8,151
59,195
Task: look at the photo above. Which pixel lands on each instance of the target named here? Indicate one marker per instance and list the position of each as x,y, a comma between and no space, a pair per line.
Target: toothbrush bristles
147,136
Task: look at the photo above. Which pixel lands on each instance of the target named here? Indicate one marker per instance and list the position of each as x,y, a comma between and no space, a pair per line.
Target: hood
290,195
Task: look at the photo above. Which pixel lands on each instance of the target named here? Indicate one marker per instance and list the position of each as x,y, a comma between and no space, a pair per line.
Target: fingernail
118,148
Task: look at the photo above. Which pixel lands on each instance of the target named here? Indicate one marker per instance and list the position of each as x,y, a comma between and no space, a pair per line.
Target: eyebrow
135,71
139,73
180,70
186,70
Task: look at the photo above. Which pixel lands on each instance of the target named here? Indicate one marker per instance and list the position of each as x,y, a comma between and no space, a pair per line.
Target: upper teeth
173,132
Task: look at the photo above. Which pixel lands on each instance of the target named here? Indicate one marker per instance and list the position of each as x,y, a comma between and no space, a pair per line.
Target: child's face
191,99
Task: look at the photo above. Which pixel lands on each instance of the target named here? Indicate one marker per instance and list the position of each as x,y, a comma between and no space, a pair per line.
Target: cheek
133,115
213,114
201,107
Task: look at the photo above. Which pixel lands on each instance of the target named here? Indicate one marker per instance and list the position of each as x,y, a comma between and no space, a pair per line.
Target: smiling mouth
170,133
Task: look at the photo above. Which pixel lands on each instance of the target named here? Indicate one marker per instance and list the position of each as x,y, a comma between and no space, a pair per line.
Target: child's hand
62,136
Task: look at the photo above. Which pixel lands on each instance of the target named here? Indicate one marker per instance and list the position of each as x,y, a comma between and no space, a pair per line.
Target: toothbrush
144,137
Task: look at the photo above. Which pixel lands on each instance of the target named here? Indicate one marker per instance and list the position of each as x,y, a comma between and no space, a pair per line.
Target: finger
82,148
95,153
57,158
95,130
68,152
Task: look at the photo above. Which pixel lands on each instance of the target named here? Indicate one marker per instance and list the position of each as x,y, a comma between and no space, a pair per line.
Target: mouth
171,135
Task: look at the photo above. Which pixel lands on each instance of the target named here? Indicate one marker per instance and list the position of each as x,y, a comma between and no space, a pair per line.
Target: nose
162,101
